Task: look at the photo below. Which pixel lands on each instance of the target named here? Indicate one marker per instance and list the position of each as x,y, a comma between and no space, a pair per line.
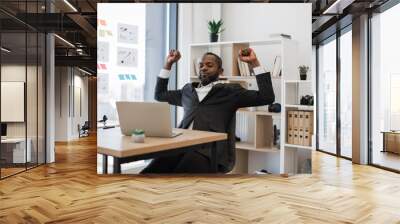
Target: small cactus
215,27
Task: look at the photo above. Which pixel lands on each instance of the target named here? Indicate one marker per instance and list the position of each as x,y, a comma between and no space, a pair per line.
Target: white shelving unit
300,107
254,126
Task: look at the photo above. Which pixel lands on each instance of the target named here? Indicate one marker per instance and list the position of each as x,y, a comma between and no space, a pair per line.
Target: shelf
230,77
300,107
250,147
266,149
298,81
237,78
245,145
258,112
299,146
222,43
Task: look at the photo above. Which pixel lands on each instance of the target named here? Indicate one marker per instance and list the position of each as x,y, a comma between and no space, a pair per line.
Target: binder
308,122
301,127
290,127
301,138
307,139
296,137
291,137
296,120
301,121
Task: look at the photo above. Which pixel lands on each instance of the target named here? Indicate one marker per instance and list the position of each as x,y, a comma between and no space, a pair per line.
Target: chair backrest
231,145
86,126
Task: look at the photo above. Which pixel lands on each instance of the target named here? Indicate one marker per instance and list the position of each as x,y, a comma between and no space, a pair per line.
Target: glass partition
346,94
22,88
327,96
385,89
14,152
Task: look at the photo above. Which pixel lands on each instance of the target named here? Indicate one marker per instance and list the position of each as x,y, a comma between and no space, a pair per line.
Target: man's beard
205,80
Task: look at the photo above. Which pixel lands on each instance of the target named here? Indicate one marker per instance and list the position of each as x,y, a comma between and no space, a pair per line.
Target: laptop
153,117
3,131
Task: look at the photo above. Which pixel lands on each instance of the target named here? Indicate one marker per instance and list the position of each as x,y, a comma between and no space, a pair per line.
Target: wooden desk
110,142
13,151
391,141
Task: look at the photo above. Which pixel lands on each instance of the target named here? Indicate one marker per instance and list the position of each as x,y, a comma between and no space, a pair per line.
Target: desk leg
214,164
384,143
117,165
105,164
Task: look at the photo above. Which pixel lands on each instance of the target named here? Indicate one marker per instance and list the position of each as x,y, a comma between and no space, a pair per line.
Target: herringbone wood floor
70,191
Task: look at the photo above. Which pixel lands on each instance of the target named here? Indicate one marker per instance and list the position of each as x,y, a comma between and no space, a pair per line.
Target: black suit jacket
216,112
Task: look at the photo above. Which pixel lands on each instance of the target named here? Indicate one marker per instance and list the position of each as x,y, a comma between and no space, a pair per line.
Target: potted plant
303,69
215,28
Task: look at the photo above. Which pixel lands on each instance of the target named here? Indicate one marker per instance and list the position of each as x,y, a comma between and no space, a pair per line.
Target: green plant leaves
215,27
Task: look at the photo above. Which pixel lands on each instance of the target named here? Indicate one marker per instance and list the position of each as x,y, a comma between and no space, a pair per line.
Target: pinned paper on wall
101,67
101,22
124,77
103,51
104,33
102,83
127,33
127,57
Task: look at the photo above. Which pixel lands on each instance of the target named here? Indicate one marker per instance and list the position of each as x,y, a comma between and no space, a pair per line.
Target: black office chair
104,120
84,130
231,146
226,150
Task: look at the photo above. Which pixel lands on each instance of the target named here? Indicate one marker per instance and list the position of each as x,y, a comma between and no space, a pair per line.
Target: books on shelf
244,69
299,127
196,66
277,69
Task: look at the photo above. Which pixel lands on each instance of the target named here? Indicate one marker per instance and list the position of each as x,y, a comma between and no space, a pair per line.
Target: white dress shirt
202,91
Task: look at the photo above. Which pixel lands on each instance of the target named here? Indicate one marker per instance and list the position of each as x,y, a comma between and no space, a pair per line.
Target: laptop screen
3,129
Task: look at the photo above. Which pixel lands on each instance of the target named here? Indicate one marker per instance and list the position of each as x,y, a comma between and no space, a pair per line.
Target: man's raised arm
265,94
162,93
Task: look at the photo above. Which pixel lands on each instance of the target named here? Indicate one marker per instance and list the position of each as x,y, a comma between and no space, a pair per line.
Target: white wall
16,73
247,22
242,21
68,83
33,126
256,21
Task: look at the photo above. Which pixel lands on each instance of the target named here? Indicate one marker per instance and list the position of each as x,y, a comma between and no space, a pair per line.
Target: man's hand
249,56
173,56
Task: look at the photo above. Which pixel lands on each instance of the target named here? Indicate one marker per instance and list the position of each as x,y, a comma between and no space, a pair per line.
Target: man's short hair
217,58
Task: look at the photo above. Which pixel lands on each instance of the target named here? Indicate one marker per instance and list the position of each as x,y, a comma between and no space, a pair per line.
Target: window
121,52
327,96
22,76
346,94
385,84
131,49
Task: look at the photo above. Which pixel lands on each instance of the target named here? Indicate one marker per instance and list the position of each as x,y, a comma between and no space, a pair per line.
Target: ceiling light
64,40
5,50
84,71
338,6
70,5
